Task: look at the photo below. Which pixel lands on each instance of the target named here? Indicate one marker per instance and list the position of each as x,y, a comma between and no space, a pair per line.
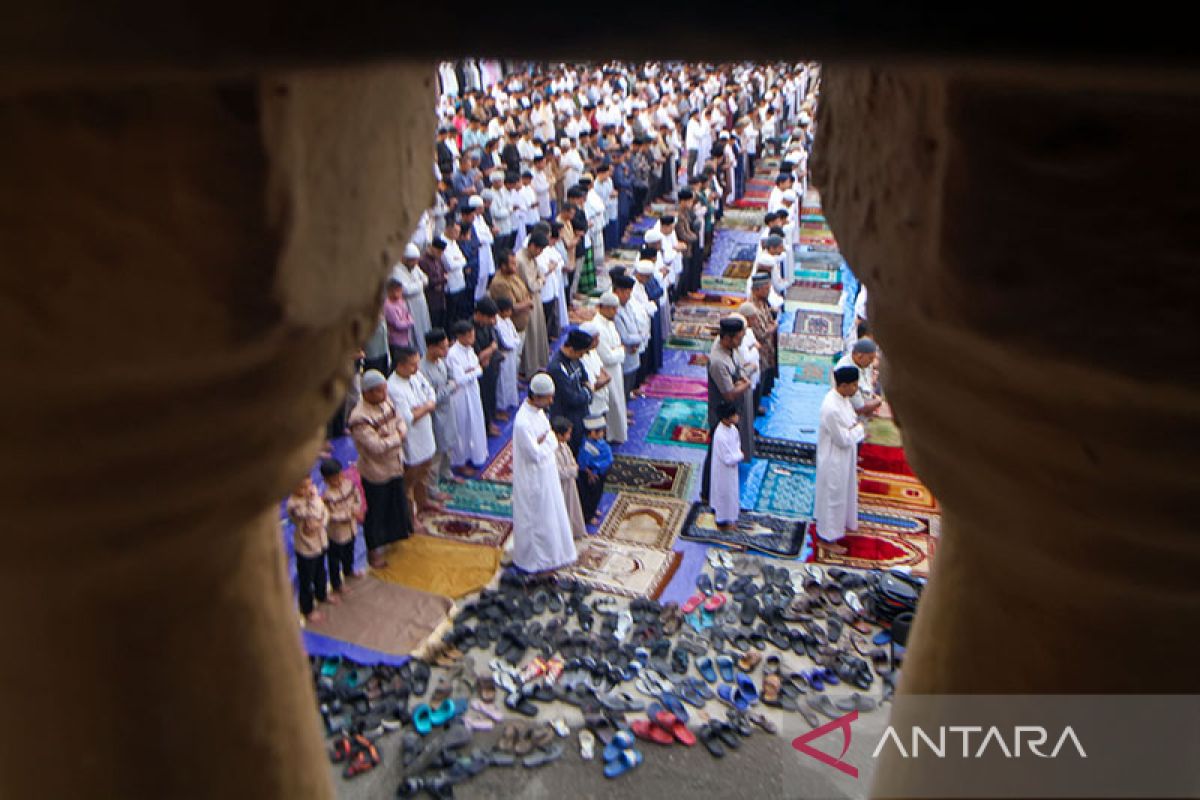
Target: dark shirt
511,157
435,291
484,336
571,394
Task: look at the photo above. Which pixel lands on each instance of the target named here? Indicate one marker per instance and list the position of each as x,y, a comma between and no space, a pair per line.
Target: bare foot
315,616
502,416
433,507
836,549
457,479
441,497
358,575
470,472
334,599
493,431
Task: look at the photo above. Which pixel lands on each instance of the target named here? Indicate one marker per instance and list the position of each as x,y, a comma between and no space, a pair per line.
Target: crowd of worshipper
539,176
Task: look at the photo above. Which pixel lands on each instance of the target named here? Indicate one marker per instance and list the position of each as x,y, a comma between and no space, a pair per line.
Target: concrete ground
766,766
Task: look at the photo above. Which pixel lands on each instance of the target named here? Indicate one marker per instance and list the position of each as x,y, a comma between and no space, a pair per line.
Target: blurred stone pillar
1030,245
189,269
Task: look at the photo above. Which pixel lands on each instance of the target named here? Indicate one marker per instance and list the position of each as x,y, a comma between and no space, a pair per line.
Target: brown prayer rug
648,520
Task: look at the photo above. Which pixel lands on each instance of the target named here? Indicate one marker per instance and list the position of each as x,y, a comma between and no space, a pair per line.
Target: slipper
725,665
587,745
749,611
542,757
621,741
624,762
731,696
487,687
692,603
477,722
673,727
714,603
880,639
812,719
771,667
771,690
823,704
422,719
704,584
650,732
720,579
749,660
711,741
705,668
728,735
445,712
746,688
674,705
560,727
420,677
814,679
857,702
602,728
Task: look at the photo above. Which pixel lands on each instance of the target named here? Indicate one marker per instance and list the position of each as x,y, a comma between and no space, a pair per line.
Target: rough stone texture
190,268
1024,244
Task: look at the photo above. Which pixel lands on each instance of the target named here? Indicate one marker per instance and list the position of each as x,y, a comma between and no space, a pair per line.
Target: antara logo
1033,737
842,723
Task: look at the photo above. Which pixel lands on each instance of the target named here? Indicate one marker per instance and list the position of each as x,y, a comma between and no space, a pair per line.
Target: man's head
437,344
450,232
437,247
687,198
541,390
486,311
464,333
863,353
506,261
733,330
595,426
609,304
578,342
407,361
411,254
374,387
774,244
623,287
644,271
537,243
846,380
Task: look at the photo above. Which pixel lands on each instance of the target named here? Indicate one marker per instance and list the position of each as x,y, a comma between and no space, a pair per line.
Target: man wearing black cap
728,382
572,397
435,290
838,437
487,349
623,181
692,260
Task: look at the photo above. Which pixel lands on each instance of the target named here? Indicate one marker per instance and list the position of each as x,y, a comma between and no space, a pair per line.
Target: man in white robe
838,437
541,535
487,265
862,356
612,355
465,371
598,377
413,281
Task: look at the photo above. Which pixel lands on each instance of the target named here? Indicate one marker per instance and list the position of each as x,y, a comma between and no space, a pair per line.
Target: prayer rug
710,315
717,283
813,345
817,323
750,202
439,566
763,533
880,458
878,549
468,530
745,253
691,345
693,330
718,301
480,497
677,386
894,490
500,469
884,432
819,278
698,360
644,519
809,294
809,368
788,489
623,568
899,520
649,476
739,269
367,616
680,422
784,450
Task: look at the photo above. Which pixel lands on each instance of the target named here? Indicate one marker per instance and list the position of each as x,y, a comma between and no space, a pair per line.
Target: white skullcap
564,142
789,196
497,176
645,268
411,251
542,384
475,202
747,310
537,153
591,328
653,236
610,300
372,378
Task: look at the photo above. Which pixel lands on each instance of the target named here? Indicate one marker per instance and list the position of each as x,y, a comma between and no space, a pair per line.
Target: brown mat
383,616
648,520
623,568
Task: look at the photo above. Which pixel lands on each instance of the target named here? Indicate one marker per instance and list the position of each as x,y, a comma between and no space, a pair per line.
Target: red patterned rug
878,458
873,548
501,467
894,490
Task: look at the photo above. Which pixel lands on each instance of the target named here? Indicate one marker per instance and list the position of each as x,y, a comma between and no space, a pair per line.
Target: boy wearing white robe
542,537
465,371
838,437
612,355
724,482
510,342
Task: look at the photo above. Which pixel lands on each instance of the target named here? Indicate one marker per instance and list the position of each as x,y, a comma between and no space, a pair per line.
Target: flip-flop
714,603
621,741
487,710
762,721
880,639
624,762
675,728
445,712
730,695
725,665
651,732
674,705
711,740
746,688
422,719
812,719
587,745
540,758
720,579
692,603
704,584
823,704
857,702
705,667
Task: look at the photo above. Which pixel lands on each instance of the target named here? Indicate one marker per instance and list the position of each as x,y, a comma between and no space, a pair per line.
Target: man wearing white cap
598,377
413,281
483,230
612,357
501,211
571,163
541,535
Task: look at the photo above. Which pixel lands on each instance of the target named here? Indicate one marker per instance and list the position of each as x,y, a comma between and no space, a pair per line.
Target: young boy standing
471,448
510,345
345,506
595,460
568,473
309,516
724,482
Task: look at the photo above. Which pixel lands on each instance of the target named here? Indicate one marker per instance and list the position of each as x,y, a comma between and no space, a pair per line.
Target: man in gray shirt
627,327
728,382
445,434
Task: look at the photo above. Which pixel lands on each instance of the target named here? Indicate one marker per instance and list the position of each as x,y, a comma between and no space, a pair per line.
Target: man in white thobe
541,528
862,356
487,265
415,401
598,377
612,356
413,281
837,461
464,369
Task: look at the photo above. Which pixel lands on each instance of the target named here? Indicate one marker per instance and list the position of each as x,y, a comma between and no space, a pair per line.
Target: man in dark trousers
487,348
571,393
435,291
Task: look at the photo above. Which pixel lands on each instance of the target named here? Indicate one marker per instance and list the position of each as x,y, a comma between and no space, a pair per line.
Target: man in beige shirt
378,434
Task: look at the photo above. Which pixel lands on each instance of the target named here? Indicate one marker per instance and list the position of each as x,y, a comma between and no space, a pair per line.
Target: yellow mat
439,566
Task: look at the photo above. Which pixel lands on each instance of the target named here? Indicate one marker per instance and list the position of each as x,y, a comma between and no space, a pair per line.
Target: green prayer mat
883,432
717,283
680,422
691,345
809,368
480,497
